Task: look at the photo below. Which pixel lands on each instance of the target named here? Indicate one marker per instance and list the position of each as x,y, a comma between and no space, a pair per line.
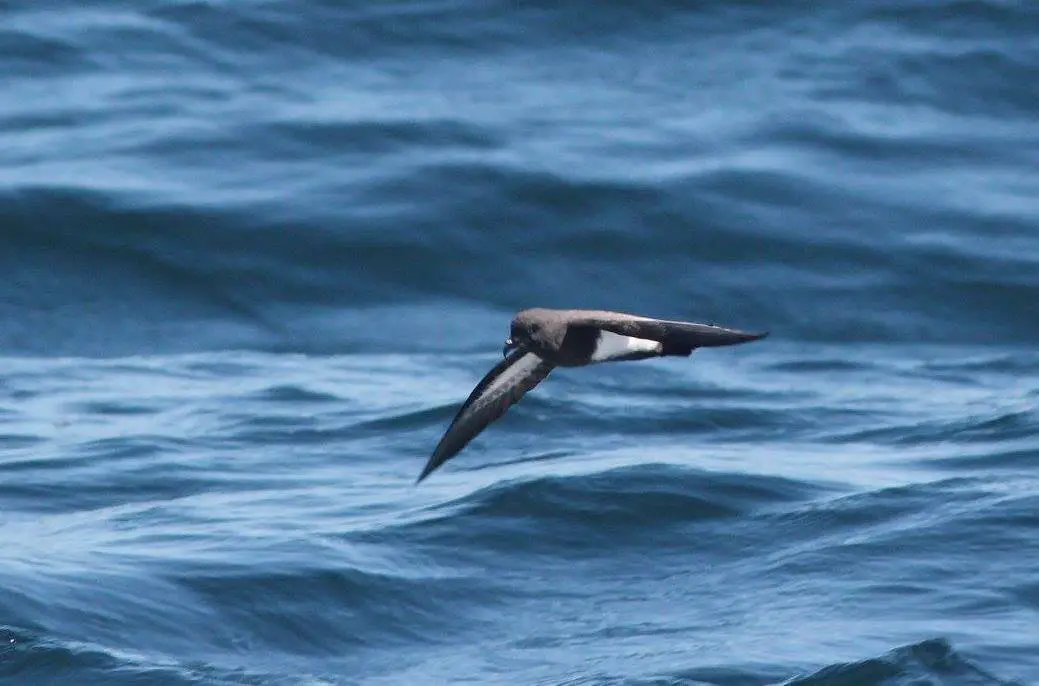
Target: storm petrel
543,339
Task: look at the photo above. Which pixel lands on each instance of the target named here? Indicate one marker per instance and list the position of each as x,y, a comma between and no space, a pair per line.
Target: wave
629,506
934,659
976,428
29,658
280,188
176,279
331,611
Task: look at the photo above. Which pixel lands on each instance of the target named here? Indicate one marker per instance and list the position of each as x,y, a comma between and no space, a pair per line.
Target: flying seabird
543,339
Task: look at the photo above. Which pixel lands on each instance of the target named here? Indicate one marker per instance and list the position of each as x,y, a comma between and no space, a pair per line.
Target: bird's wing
677,337
503,386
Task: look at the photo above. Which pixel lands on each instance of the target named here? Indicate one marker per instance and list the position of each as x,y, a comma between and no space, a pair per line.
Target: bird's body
543,339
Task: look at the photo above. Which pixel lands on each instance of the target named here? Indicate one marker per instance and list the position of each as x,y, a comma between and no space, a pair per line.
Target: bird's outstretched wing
678,338
503,386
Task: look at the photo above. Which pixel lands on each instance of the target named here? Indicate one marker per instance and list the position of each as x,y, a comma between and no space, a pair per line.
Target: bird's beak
508,348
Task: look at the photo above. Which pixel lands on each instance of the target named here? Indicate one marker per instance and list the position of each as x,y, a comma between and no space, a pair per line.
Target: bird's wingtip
734,336
744,336
430,467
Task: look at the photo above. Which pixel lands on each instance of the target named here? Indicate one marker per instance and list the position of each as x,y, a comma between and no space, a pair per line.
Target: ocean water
255,254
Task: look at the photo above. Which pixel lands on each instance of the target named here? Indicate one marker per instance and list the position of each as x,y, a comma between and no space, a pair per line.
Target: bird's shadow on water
540,457
413,419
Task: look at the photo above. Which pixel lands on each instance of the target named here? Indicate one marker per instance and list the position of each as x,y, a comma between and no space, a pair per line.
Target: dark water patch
1012,461
325,611
918,556
1015,363
291,394
1007,516
932,662
124,452
85,599
863,513
724,423
379,137
704,676
29,658
115,408
836,143
962,18
256,280
38,495
919,83
1028,594
12,464
107,472
821,365
134,450
1004,426
680,415
168,268
58,242
961,523
17,442
630,505
33,660
403,32
405,421
30,53
289,429
549,456
1012,425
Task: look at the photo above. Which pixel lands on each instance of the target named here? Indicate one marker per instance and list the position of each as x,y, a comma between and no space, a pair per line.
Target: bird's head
518,336
526,331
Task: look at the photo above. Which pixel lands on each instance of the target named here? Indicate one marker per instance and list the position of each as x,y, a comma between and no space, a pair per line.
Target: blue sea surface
256,253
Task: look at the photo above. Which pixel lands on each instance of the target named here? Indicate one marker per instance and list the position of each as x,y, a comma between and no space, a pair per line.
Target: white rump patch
612,346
